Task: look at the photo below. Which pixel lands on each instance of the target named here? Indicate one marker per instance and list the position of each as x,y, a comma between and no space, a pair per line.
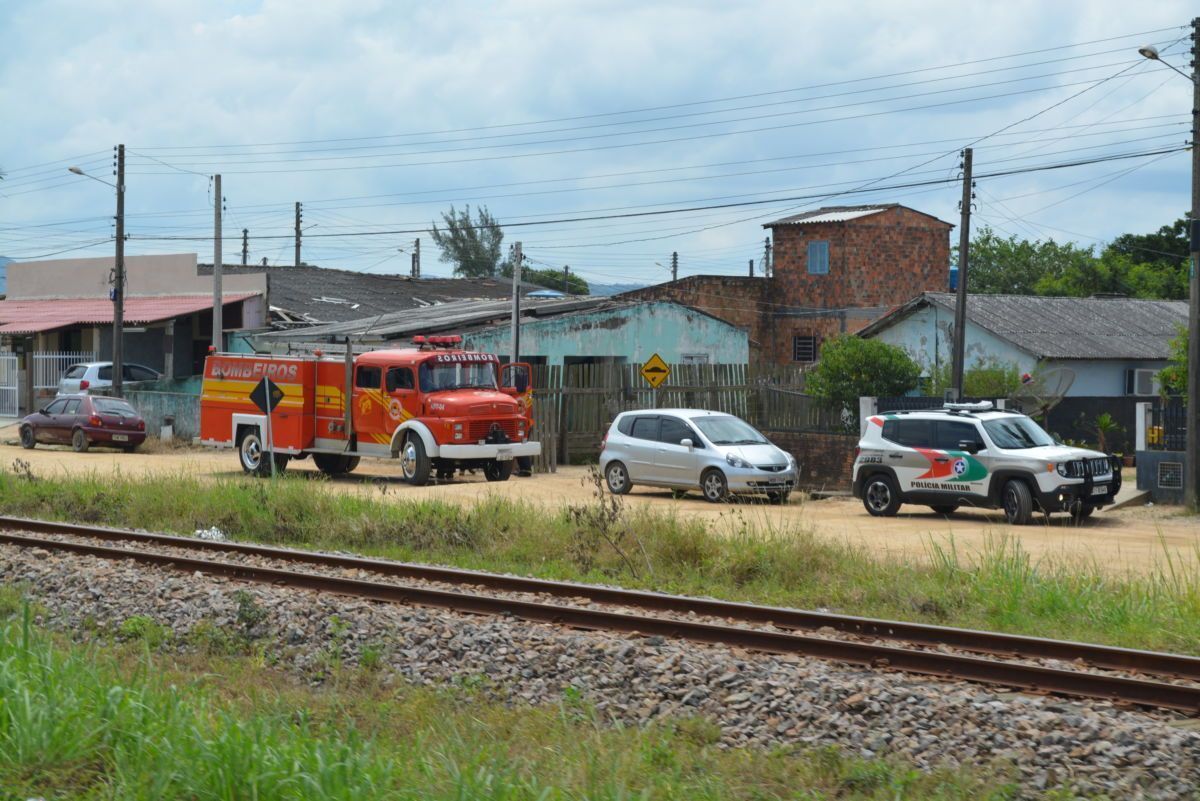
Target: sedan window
674,431
728,430
112,406
56,407
72,407
645,428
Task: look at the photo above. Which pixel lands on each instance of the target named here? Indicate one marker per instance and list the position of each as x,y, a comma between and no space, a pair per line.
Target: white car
97,375
686,449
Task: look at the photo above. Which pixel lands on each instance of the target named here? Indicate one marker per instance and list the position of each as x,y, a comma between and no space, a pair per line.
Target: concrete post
169,350
1142,419
866,408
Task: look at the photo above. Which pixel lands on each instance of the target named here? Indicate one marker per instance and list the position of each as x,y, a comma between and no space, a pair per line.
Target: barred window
804,348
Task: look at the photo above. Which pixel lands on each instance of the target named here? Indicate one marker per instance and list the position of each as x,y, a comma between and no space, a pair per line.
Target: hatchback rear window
112,406
75,371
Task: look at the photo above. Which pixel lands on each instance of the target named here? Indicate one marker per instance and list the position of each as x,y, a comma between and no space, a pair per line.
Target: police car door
908,439
959,471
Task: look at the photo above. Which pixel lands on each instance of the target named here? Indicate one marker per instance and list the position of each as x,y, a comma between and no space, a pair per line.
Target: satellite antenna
1043,390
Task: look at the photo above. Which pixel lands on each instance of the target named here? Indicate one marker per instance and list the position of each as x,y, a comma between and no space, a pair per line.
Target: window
625,425
56,407
645,428
729,430
693,358
75,371
818,258
399,378
72,407
1017,433
673,431
910,433
105,373
368,377
135,372
804,348
950,433
114,405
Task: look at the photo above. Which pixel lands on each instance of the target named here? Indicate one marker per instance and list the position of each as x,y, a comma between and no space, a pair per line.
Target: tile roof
1066,328
32,316
323,295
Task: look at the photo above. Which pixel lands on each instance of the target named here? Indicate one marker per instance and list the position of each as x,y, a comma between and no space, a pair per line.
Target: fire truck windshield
440,376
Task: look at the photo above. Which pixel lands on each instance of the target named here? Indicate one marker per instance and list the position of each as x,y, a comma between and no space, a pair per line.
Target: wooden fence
574,406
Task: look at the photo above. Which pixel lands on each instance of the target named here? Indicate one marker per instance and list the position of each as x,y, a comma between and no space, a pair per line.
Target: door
370,406
517,380
401,388
675,463
959,469
50,423
643,442
910,442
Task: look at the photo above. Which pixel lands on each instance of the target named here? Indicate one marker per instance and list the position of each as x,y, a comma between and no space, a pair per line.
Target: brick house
835,269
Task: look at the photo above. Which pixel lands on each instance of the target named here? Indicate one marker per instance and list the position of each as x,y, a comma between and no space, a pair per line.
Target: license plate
120,438
504,456
1100,489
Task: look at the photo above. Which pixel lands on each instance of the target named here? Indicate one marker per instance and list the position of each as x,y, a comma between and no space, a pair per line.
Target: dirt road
1129,539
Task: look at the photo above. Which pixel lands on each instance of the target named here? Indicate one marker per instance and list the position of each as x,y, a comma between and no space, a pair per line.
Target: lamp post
1191,489
118,291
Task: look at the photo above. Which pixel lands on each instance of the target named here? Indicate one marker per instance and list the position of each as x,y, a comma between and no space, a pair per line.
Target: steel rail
997,643
1033,678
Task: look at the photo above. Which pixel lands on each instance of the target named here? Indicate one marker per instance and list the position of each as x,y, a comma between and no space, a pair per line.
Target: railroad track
861,649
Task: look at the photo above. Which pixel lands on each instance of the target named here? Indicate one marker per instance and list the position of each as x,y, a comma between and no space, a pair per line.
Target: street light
118,292
1191,489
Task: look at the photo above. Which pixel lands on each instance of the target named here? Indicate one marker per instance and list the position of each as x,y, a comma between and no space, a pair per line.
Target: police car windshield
1017,433
440,376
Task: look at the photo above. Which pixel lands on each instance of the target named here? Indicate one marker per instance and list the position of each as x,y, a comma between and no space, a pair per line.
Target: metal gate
9,384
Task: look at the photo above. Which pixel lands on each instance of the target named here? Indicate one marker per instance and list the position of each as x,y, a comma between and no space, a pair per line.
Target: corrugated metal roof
33,316
1074,328
821,216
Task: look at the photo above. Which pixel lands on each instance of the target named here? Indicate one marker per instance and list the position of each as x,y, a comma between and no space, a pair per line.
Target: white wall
169,274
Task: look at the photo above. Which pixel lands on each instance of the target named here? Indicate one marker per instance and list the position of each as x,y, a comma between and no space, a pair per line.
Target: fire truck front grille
479,429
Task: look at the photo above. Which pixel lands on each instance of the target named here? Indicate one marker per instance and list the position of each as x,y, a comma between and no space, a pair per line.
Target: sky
378,116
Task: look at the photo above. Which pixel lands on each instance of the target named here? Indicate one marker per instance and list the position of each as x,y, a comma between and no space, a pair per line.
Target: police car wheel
881,497
946,509
1018,502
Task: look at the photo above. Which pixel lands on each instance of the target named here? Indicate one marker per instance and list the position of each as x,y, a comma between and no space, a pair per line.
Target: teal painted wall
633,333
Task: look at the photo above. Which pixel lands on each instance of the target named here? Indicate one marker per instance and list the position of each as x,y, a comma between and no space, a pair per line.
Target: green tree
991,379
549,278
1013,266
1174,377
1168,244
472,246
851,367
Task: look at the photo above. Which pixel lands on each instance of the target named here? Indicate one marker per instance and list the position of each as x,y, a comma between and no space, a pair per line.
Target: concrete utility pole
766,262
245,245
1192,419
566,279
675,266
516,303
752,268
119,280
416,259
960,308
299,217
218,321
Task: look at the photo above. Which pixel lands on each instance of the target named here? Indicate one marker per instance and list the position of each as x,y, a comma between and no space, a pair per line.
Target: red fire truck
436,408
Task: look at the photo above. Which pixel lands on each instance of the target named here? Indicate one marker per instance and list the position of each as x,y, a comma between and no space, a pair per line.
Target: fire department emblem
364,404
394,409
960,467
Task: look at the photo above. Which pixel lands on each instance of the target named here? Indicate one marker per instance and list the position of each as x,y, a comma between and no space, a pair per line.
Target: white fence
49,367
9,385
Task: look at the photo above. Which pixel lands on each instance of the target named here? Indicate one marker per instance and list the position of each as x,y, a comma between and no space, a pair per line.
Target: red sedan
85,420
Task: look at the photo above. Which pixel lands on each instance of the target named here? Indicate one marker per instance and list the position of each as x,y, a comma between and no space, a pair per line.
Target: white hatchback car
688,449
98,375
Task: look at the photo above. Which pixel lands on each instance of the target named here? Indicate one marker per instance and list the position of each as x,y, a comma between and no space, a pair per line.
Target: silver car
689,449
98,375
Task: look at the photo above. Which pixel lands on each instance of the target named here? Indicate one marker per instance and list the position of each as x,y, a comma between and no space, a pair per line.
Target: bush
852,367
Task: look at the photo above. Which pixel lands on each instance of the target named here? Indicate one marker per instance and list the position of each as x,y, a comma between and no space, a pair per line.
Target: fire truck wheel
414,464
333,464
498,471
250,454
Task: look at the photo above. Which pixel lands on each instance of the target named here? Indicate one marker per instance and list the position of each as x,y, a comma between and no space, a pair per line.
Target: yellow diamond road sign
655,371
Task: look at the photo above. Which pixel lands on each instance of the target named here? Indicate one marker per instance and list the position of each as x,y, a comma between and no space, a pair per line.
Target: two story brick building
835,269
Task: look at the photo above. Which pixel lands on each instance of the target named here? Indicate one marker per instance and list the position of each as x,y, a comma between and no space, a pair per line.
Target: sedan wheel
617,478
714,486
28,440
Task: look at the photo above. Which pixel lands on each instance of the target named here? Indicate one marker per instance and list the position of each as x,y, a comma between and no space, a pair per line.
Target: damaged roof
308,295
1064,328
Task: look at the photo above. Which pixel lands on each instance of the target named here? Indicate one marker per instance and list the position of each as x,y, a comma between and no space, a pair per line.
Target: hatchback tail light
141,425
604,441
84,384
857,451
95,421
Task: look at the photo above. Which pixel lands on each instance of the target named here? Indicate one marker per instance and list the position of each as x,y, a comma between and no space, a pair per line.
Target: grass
119,722
1001,589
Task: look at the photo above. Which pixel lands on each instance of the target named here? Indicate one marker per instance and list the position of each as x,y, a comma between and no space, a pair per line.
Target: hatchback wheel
28,439
617,477
881,497
79,441
714,486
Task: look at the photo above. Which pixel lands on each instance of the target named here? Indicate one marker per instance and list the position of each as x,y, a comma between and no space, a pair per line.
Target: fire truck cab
434,407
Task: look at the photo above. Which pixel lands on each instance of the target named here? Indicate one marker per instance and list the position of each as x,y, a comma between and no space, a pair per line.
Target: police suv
971,454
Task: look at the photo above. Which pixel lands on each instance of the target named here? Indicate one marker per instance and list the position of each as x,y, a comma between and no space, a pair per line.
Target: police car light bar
982,406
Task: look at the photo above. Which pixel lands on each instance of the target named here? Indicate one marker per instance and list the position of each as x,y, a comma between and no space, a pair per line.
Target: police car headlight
736,461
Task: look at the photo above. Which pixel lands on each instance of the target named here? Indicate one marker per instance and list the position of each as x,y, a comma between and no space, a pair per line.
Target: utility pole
675,266
299,217
1191,491
566,279
416,259
218,321
960,308
119,280
752,268
766,262
516,303
245,245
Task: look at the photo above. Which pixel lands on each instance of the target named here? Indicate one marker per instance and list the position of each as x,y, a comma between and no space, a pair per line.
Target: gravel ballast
756,699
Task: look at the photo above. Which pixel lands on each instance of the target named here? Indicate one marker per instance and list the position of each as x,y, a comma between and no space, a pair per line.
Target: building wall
631,333
1103,378
171,274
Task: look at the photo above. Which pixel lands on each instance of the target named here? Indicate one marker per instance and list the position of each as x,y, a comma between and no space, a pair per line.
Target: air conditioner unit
1141,382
